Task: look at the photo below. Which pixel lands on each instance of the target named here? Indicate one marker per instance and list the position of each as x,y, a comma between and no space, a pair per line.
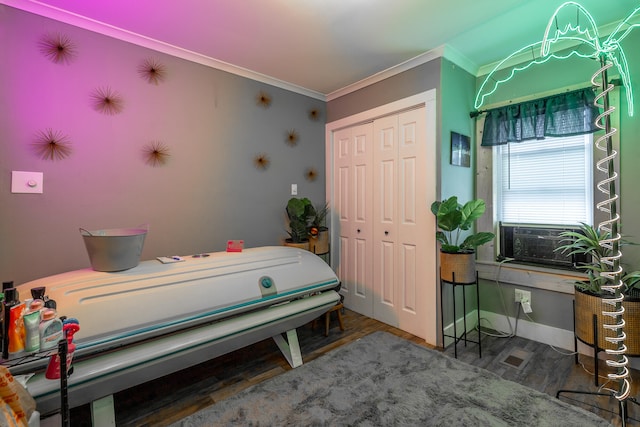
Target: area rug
385,380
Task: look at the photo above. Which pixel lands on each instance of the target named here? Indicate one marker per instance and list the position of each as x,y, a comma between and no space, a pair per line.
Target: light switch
26,182
294,189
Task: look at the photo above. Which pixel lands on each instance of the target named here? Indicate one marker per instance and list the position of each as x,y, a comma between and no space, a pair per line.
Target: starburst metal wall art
261,161
152,71
107,101
52,145
311,174
314,114
292,137
263,99
58,48
156,153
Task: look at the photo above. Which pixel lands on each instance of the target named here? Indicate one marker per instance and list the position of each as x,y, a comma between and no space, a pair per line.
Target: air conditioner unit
537,244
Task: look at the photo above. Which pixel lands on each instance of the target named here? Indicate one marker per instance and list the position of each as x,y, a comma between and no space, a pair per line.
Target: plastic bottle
8,303
53,369
31,321
5,285
50,330
15,327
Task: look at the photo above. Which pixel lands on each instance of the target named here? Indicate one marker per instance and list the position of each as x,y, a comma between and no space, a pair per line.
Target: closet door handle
386,233
358,230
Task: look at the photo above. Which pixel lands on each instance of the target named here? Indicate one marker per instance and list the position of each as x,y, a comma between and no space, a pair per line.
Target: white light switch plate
26,182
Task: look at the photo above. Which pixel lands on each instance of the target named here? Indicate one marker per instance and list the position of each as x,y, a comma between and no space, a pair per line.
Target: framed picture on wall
460,150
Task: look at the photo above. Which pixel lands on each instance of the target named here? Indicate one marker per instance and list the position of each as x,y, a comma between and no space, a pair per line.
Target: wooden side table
327,318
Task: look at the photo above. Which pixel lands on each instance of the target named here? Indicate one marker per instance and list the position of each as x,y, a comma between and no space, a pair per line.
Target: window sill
526,275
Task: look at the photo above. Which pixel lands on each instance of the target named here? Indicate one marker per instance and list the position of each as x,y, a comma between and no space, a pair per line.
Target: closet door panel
385,160
413,233
352,172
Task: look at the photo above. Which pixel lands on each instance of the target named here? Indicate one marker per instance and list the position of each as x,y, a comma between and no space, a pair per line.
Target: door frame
427,99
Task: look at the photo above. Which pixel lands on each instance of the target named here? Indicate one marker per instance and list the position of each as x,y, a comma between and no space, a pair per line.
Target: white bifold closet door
353,165
380,178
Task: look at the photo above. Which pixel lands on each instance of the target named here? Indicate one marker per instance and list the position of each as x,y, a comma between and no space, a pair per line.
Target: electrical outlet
523,296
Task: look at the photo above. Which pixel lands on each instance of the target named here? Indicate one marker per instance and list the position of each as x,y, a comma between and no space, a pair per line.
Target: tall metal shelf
39,356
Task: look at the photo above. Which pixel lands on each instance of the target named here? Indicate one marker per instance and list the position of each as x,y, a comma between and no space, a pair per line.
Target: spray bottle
15,329
70,327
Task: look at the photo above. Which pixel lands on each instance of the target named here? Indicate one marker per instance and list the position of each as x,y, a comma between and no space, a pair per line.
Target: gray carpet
384,380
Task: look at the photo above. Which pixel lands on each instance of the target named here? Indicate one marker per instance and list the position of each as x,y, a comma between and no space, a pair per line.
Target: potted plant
299,211
318,230
457,251
589,293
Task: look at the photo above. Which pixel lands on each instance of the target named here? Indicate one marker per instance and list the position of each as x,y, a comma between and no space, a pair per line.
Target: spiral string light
612,318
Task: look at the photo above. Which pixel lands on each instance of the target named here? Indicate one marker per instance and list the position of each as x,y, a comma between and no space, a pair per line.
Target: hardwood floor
170,398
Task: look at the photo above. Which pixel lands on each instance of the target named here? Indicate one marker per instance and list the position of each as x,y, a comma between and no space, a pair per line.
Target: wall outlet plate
522,296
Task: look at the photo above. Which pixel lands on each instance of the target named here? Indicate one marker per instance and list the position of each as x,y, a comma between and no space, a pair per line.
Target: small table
463,337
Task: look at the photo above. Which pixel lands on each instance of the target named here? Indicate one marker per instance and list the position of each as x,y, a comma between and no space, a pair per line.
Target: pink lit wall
209,191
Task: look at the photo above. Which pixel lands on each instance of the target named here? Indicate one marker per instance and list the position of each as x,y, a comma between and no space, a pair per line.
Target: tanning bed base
193,311
98,377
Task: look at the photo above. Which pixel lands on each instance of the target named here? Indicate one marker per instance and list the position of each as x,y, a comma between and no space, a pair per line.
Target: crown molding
389,72
460,60
83,22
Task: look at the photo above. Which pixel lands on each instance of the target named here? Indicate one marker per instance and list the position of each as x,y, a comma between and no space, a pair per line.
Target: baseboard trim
556,337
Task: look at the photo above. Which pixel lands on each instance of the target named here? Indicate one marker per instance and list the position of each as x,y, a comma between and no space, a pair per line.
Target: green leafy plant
453,219
587,241
319,217
299,211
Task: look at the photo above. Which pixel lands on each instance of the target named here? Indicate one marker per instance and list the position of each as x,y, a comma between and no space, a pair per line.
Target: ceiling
325,46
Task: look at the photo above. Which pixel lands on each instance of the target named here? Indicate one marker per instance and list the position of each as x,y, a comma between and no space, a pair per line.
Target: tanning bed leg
291,349
103,413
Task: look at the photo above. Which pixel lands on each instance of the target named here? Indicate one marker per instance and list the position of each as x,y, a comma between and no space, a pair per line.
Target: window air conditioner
536,244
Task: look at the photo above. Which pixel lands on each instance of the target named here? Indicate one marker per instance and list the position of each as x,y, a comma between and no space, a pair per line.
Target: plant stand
325,254
623,404
464,335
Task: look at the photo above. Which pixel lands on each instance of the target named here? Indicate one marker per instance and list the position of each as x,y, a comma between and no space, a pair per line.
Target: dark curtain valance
566,114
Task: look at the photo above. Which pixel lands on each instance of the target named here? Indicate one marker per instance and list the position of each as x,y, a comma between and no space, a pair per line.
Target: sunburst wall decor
314,114
311,174
263,99
152,71
292,137
107,101
58,48
261,161
52,145
156,153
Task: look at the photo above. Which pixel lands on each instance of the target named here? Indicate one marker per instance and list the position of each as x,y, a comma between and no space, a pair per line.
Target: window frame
487,254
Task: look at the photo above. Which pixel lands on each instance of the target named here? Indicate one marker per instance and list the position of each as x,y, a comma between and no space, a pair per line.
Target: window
547,181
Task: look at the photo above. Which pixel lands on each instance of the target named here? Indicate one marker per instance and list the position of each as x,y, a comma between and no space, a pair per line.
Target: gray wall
207,193
416,80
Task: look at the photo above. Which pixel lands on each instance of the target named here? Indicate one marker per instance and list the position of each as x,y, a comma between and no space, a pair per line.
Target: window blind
546,181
